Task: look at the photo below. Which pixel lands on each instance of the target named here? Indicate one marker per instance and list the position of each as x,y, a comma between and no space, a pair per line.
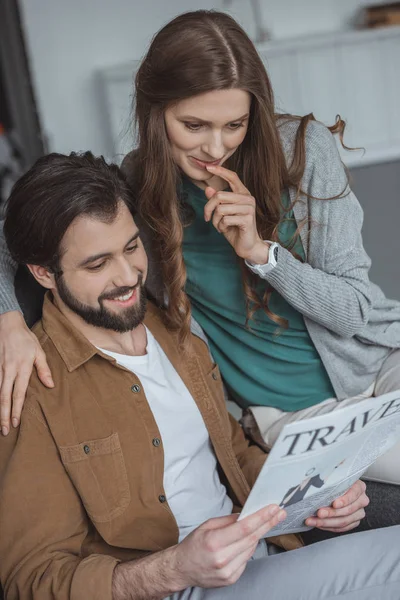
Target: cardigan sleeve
337,296
8,269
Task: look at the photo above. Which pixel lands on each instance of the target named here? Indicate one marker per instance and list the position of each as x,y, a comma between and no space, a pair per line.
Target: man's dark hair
56,190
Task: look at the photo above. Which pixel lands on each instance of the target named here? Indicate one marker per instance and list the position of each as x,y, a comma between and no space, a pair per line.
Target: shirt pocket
97,470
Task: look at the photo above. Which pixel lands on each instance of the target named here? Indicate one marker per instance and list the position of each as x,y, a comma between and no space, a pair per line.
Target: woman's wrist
259,254
11,318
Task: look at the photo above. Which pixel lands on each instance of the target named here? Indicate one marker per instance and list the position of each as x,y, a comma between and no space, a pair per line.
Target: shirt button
135,388
214,376
162,498
156,442
86,449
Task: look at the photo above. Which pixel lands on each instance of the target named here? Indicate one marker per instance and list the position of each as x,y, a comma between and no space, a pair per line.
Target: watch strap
262,270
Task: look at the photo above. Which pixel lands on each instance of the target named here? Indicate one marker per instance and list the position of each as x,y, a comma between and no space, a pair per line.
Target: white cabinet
355,74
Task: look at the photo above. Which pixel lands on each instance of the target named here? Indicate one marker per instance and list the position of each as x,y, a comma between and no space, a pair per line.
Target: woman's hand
345,513
234,215
19,352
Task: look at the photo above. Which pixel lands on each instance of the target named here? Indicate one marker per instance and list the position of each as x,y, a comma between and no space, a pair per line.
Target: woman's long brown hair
198,52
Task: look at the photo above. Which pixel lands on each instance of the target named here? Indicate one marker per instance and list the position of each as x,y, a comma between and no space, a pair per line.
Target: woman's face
207,129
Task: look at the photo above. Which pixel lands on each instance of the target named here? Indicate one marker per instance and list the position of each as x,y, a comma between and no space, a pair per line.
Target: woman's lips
203,164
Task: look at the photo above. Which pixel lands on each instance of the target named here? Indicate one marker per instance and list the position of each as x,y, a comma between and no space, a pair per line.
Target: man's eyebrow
95,257
198,120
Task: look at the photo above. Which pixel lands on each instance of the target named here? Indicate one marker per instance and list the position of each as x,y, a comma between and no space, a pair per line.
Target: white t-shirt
191,482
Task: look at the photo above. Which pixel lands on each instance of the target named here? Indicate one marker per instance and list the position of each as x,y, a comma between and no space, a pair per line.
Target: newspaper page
315,461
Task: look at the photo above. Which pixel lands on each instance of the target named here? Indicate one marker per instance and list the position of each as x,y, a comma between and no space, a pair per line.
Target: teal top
262,363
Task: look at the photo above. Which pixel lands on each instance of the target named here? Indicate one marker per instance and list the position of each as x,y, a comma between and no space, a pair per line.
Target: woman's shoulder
318,138
323,164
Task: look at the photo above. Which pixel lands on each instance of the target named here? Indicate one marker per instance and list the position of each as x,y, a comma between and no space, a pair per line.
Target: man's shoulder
53,357
40,333
36,389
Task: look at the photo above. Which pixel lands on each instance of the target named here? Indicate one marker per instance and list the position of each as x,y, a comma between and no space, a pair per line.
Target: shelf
338,38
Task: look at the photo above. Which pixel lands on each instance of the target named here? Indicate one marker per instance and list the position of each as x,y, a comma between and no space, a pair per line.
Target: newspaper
315,461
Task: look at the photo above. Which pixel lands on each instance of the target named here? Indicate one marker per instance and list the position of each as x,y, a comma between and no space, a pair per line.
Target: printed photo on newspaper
315,461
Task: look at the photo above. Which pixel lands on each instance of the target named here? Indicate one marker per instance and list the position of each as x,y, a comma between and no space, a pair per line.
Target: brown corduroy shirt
81,480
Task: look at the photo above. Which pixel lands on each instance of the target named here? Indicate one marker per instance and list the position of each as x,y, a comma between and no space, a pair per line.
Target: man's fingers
43,370
266,527
337,522
331,519
341,529
357,489
231,177
5,401
256,526
235,556
220,522
234,567
229,533
329,512
19,393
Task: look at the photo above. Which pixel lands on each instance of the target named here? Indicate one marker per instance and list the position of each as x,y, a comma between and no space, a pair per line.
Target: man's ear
43,276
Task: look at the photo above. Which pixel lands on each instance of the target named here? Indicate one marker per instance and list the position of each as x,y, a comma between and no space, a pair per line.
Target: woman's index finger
231,177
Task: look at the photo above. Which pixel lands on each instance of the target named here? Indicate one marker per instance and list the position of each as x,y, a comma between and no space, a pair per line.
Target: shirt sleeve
8,269
43,523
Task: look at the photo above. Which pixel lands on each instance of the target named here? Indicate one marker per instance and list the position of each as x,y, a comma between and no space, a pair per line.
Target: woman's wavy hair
199,52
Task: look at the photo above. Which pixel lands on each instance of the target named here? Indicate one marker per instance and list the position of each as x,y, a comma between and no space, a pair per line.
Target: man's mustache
122,291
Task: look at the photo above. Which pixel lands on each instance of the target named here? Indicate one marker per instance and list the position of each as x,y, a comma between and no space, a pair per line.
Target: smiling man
123,481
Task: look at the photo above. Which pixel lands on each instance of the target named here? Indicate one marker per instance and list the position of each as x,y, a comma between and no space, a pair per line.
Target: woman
256,232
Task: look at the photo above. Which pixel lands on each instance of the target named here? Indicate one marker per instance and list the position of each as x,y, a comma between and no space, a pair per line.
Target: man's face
104,267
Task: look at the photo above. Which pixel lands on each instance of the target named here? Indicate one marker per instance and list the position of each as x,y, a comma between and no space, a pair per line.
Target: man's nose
126,274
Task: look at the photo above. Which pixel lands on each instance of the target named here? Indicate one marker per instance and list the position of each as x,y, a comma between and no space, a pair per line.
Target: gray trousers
361,566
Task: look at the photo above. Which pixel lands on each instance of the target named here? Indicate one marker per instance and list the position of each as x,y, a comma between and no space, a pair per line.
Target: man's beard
102,317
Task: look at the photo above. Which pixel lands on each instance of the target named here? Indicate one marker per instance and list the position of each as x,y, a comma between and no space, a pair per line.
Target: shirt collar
73,347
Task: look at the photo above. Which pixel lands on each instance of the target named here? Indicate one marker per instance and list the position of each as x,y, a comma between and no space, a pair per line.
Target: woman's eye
131,249
235,125
193,126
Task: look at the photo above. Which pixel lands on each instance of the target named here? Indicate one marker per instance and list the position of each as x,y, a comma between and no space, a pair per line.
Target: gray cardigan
350,321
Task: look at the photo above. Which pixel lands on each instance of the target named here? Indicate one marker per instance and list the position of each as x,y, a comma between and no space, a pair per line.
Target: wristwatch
262,270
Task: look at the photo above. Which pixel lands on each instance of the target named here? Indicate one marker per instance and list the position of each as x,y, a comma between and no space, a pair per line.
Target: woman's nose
214,146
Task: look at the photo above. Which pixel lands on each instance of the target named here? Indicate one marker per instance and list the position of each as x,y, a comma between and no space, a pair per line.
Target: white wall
70,40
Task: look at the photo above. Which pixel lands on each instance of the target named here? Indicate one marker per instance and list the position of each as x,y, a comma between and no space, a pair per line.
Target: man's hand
345,513
19,352
216,553
213,555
